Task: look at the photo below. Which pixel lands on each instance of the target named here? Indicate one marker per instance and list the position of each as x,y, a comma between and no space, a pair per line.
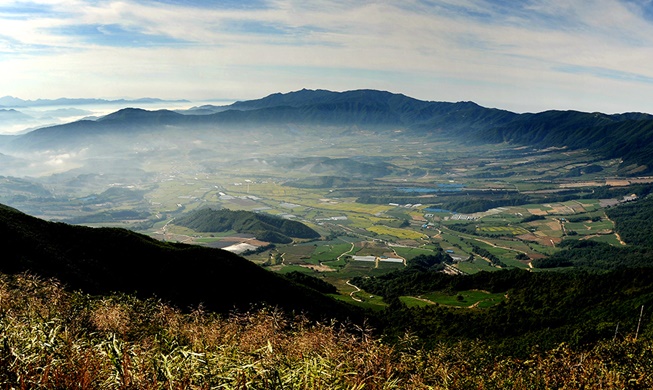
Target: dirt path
165,228
622,242
424,300
499,246
345,253
351,294
171,236
396,254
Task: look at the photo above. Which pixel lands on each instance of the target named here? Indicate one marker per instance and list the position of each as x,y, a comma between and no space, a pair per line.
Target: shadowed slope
101,260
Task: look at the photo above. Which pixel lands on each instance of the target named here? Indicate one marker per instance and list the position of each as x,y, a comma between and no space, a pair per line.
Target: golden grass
53,339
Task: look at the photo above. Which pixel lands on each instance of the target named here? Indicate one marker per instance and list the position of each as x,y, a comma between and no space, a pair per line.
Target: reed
53,339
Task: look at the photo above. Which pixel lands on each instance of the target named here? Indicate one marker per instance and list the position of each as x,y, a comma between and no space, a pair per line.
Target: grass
478,266
54,339
286,269
330,252
503,230
480,299
609,238
414,302
409,253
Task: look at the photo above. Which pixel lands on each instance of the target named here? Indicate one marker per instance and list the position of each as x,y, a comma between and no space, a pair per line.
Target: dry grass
53,339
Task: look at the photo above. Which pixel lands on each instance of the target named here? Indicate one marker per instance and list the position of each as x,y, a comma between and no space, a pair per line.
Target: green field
472,298
379,220
409,252
503,230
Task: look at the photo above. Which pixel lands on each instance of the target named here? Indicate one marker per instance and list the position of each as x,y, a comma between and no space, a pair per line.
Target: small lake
430,190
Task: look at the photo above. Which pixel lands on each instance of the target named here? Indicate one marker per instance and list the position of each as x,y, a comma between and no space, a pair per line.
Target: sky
523,56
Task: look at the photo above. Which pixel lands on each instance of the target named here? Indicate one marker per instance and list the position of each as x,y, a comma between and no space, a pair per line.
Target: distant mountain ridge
626,136
11,101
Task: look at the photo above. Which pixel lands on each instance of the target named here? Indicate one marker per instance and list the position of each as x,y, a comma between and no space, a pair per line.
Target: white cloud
542,54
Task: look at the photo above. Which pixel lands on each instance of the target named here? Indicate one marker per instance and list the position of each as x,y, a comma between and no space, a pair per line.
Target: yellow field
403,234
353,207
504,229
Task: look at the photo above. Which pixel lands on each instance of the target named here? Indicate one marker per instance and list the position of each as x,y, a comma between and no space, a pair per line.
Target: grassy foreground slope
51,338
103,260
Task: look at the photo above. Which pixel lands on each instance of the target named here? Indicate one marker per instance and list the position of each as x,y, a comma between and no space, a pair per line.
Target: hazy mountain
10,101
375,110
625,136
102,260
11,115
64,113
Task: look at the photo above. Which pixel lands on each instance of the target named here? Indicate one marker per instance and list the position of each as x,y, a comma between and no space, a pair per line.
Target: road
351,294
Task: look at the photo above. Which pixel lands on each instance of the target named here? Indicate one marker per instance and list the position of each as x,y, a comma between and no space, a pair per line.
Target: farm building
364,258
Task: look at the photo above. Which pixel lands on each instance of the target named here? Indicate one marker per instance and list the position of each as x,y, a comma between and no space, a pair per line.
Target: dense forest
540,309
634,222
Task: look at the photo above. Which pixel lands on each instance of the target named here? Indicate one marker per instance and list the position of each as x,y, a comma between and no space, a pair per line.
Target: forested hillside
104,260
265,227
626,136
633,221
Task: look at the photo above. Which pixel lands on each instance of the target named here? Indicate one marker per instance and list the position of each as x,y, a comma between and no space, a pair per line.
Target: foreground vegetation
52,338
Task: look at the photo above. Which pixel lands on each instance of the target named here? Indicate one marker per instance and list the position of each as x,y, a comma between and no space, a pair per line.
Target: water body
437,210
429,190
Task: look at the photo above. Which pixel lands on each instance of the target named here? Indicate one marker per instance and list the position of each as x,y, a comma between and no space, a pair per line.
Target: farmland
462,299
489,207
514,235
403,217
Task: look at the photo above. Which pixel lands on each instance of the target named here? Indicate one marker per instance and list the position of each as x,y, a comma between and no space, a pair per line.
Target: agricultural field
463,299
503,230
489,206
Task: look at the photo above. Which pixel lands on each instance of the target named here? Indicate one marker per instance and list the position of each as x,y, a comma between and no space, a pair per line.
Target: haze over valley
284,194
371,166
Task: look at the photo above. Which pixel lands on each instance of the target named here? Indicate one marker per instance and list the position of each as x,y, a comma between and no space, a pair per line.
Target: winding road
351,294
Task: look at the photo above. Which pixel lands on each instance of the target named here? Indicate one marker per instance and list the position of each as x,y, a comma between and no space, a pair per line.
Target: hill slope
103,260
263,226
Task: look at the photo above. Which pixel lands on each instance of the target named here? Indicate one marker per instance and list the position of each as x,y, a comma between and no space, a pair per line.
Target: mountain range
626,136
11,101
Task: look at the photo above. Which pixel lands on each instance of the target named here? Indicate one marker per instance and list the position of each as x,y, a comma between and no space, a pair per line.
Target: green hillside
264,227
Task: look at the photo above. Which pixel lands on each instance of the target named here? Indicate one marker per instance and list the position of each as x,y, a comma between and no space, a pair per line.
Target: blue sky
529,55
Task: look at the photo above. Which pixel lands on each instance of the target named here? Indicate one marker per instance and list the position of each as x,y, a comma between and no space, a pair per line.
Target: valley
415,218
376,199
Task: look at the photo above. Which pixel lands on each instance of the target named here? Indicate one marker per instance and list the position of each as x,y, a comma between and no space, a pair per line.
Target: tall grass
54,339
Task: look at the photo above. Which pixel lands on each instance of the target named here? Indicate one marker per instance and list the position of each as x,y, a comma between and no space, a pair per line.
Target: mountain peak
139,113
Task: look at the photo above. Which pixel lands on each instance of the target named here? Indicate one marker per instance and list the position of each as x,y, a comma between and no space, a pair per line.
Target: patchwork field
489,207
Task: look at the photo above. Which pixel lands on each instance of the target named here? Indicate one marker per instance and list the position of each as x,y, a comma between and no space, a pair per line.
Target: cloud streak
530,55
